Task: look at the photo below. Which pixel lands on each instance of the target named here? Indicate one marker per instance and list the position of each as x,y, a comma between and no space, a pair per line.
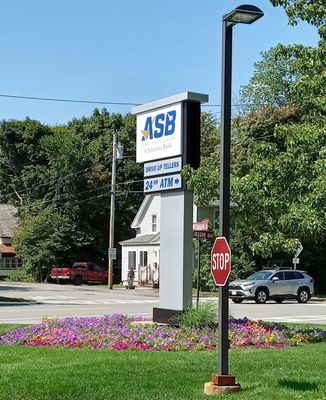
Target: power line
10,96
203,148
105,102
62,177
52,180
64,196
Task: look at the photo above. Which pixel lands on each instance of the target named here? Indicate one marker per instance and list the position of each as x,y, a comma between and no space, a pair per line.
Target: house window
143,258
131,260
154,221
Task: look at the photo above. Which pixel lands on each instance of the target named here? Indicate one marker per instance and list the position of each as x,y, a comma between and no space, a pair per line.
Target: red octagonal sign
220,261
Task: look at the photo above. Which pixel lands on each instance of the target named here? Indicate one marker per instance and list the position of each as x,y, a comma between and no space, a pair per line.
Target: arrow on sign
299,250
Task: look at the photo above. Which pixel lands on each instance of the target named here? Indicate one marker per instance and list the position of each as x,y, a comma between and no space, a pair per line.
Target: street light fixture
244,14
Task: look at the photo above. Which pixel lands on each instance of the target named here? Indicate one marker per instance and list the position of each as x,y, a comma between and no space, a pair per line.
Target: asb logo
160,125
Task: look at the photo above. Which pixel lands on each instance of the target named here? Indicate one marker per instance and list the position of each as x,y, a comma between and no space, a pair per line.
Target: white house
8,259
142,253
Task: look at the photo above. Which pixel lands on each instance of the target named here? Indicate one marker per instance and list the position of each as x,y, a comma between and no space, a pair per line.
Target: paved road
50,300
313,312
56,300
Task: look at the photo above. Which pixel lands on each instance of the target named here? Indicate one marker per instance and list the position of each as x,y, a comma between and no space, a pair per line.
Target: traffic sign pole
198,276
220,270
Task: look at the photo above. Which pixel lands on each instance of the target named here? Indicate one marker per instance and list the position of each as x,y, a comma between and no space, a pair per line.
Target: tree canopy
60,177
278,167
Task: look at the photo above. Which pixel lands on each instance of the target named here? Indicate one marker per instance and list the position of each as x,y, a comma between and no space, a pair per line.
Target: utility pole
112,210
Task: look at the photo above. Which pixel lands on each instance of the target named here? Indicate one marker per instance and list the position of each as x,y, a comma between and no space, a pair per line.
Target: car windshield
259,276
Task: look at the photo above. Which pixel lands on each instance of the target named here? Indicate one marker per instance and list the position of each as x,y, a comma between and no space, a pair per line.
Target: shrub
204,316
21,275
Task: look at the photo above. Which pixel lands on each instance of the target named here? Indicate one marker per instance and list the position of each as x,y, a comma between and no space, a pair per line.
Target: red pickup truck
80,272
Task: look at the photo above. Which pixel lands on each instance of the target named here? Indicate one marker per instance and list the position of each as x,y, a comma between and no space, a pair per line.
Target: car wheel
279,301
303,296
237,301
261,296
78,280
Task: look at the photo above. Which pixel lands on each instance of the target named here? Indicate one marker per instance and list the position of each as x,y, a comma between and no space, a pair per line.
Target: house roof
8,220
142,240
142,211
4,248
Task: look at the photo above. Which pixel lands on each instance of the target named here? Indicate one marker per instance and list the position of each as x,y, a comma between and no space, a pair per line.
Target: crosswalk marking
302,318
74,300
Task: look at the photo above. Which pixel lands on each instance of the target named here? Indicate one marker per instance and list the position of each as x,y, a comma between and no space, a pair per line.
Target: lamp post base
221,384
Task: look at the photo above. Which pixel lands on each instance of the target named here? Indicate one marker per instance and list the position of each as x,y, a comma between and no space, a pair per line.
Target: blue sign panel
162,183
160,167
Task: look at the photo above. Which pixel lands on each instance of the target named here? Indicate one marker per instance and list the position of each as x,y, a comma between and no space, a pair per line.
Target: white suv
277,284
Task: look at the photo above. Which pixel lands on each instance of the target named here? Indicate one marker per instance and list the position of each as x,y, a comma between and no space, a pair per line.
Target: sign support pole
198,276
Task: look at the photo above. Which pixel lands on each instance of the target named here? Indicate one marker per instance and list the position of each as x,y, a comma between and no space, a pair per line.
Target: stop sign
220,261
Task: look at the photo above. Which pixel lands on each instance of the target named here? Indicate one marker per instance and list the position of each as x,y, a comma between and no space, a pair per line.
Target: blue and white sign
169,166
161,183
159,133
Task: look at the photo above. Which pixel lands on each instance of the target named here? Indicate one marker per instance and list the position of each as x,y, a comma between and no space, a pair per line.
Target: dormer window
154,223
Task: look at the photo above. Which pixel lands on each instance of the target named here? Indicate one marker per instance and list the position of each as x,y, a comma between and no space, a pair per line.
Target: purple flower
121,333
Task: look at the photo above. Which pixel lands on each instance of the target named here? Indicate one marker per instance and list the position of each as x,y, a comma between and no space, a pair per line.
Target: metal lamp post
117,153
244,14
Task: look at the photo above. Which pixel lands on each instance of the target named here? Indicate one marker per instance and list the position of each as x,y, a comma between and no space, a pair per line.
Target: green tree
21,158
272,81
278,179
64,174
311,11
41,241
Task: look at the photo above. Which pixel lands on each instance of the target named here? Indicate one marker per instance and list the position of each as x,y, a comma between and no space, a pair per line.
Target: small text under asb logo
160,125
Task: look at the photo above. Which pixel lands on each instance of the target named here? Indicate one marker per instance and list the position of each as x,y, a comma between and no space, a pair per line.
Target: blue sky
132,51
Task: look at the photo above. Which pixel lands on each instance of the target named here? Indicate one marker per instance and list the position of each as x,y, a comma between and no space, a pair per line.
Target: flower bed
118,332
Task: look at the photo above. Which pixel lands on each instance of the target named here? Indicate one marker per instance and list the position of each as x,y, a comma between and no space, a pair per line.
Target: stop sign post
220,270
220,261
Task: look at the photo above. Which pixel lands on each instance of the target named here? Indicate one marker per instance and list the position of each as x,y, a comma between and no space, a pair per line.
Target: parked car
80,272
277,284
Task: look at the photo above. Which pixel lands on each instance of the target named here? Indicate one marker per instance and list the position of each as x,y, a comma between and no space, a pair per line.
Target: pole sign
203,235
161,167
200,226
295,259
112,253
298,251
159,133
162,183
167,138
220,261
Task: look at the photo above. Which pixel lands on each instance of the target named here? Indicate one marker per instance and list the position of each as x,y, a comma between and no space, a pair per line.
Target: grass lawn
4,328
59,374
